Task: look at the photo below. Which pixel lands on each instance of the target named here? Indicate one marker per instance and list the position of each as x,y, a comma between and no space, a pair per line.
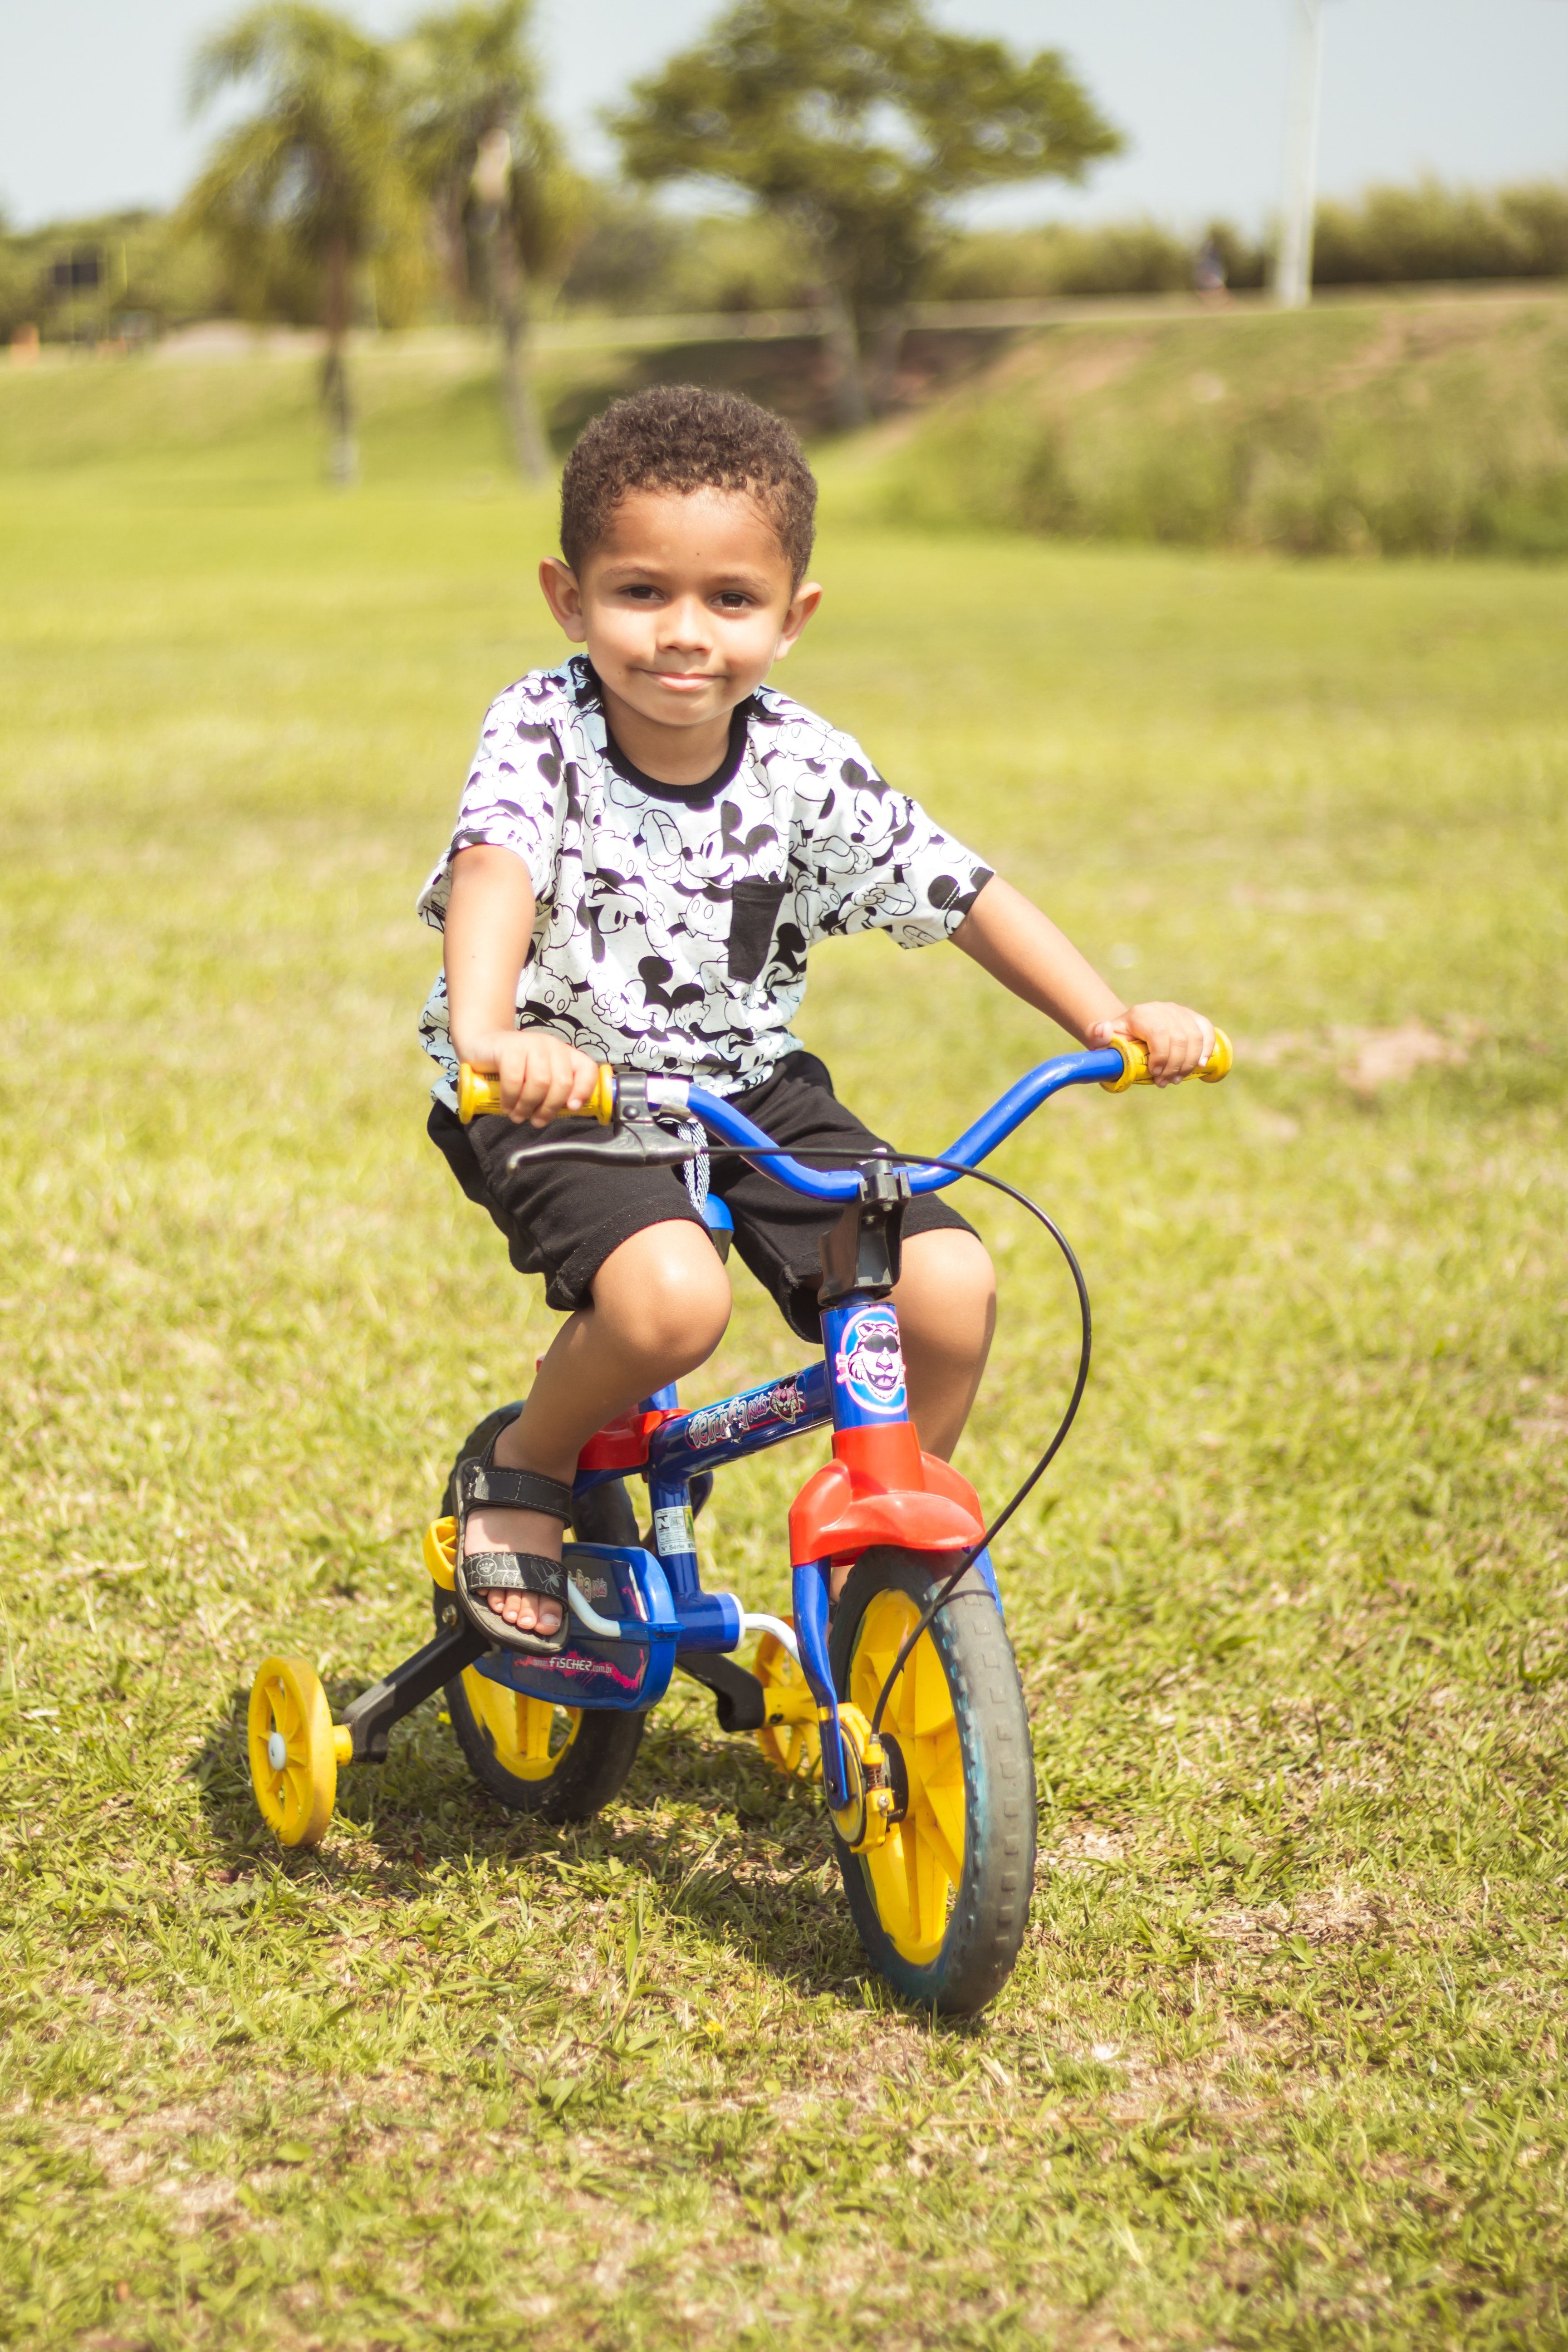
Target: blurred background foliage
857,125
630,255
1363,427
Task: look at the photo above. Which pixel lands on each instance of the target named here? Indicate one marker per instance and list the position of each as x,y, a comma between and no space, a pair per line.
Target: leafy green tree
314,182
860,122
484,153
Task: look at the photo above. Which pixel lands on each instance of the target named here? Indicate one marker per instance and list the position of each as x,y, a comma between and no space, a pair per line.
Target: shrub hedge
1429,426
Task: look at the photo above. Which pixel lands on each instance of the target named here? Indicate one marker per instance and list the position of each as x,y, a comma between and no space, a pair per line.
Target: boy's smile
684,606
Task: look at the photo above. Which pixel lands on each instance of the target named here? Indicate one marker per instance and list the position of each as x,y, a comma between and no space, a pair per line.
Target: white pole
1293,274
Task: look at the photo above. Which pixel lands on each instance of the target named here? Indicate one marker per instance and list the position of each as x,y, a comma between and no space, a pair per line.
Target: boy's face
684,606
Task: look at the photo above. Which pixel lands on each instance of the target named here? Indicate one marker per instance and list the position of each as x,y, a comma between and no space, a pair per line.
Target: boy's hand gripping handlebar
1135,1064
478,1093
618,1102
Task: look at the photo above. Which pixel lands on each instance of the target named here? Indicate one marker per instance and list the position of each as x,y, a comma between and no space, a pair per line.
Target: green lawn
1282,2065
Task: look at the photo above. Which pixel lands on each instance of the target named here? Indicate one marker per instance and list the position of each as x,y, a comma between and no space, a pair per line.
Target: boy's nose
686,624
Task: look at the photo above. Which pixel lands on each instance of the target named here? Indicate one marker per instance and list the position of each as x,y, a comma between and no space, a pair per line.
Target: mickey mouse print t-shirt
672,921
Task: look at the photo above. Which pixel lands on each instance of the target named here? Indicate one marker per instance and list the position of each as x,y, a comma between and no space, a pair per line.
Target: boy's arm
1009,937
488,931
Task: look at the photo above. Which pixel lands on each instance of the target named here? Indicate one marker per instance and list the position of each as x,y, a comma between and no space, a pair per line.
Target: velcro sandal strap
515,1571
485,1572
513,1490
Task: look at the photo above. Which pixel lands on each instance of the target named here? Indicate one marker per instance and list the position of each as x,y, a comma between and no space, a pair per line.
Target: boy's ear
803,605
564,597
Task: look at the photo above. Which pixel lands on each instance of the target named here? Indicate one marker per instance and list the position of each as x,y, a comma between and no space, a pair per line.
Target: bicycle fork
879,1487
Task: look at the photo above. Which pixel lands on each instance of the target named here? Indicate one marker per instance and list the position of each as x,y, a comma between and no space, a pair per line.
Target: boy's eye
728,600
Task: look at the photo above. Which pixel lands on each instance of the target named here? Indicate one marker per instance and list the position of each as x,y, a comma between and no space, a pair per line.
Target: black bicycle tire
594,1770
990,1914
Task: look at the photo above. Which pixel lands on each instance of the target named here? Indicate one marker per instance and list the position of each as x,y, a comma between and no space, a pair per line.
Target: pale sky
93,117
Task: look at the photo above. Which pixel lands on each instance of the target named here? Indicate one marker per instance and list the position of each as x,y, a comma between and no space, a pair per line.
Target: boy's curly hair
678,436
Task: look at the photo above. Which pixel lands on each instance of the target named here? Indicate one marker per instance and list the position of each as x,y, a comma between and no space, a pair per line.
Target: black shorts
563,1220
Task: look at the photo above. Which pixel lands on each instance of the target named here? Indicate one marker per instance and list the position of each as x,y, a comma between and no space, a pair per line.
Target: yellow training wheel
793,1745
529,1736
914,1872
293,1751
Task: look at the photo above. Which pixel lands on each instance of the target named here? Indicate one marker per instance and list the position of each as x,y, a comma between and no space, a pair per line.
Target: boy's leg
946,1298
659,1309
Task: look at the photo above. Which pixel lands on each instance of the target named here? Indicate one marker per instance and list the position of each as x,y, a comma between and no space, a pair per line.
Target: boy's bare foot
490,1529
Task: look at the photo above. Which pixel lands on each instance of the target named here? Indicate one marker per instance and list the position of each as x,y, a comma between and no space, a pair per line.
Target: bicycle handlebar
1122,1063
479,1095
1135,1065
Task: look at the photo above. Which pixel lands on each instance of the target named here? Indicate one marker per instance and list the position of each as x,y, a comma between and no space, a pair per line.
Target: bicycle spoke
932,1886
940,1798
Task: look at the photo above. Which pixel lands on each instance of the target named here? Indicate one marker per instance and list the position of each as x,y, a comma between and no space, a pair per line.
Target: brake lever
628,1144
629,1136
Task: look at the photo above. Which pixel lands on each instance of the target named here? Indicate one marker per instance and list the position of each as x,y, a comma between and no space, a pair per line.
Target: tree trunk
342,457
850,408
455,240
886,346
530,448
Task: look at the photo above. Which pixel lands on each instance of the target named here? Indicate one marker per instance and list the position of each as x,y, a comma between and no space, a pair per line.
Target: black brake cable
948,1587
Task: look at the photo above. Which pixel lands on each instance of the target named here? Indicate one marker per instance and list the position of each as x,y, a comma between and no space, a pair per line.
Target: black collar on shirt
697,796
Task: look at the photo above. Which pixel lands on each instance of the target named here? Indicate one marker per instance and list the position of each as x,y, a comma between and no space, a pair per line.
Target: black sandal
478,1482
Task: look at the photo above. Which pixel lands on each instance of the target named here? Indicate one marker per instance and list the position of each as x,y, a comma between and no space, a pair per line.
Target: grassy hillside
1282,2068
428,404
1431,426
428,411
1436,426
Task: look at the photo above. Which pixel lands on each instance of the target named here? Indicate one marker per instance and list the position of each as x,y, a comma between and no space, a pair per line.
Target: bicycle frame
879,1489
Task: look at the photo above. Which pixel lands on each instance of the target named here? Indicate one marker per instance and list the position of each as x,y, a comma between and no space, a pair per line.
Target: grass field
1283,2063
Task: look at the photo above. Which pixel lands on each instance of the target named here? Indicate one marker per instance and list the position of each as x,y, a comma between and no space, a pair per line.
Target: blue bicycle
903,1696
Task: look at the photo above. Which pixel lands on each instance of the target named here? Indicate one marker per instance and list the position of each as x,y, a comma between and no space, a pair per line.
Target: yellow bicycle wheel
562,1763
793,1746
942,1901
917,1871
527,1737
293,1755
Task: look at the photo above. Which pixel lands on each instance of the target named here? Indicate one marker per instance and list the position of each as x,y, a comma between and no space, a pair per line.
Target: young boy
649,841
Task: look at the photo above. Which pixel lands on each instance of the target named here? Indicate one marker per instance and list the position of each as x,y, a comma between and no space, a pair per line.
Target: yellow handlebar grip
1217,1066
1135,1067
601,1103
478,1094
1135,1064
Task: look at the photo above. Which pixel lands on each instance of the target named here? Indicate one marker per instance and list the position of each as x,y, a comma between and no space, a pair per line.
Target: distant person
1209,275
650,840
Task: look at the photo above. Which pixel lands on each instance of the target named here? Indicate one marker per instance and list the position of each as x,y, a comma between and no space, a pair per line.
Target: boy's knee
666,1294
947,1296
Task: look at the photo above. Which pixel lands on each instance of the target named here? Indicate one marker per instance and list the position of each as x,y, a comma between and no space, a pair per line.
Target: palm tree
481,150
314,181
